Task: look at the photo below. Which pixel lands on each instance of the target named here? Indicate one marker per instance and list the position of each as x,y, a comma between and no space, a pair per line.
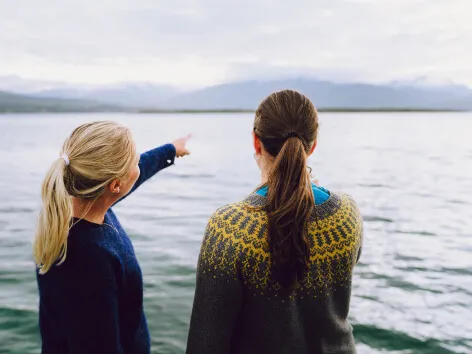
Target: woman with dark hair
275,270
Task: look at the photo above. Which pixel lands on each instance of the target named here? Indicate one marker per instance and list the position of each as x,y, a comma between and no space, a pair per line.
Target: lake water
411,175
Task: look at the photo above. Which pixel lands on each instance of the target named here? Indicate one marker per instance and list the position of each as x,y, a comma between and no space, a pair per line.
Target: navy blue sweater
93,302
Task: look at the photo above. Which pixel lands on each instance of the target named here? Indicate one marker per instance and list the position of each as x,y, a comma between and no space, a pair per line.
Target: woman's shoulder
234,233
345,200
338,211
94,244
238,214
85,259
240,207
237,225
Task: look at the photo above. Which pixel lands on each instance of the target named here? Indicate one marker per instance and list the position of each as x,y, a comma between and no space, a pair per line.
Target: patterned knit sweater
238,310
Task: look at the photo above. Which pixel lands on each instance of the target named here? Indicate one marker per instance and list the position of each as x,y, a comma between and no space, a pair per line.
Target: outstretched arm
155,160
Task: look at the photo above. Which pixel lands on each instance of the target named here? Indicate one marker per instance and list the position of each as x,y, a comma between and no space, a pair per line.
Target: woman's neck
265,167
264,178
93,211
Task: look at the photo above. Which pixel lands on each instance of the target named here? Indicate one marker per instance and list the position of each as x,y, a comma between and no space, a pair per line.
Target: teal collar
321,194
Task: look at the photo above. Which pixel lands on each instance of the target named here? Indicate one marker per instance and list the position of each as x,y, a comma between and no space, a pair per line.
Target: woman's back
257,315
93,302
275,270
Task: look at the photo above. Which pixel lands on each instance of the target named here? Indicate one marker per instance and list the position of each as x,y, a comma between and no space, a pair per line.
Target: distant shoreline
229,111
322,110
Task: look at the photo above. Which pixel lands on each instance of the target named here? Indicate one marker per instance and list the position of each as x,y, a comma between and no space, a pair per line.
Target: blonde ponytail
54,219
95,154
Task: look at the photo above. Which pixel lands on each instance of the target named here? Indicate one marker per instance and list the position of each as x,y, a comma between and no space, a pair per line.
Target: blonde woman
90,283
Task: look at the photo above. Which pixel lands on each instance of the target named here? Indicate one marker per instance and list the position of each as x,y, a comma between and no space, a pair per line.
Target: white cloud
190,42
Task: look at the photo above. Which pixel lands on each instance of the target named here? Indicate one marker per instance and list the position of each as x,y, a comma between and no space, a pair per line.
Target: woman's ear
115,186
312,148
257,143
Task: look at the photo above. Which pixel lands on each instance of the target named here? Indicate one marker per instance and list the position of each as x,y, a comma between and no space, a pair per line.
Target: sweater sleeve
361,241
358,223
91,306
151,162
218,294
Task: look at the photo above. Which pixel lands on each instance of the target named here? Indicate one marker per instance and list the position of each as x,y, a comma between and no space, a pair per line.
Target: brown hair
286,122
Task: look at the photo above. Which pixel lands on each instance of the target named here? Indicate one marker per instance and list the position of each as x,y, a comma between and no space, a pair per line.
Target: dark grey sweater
238,310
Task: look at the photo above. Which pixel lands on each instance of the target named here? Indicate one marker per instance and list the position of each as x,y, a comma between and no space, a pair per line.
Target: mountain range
327,95
10,102
28,95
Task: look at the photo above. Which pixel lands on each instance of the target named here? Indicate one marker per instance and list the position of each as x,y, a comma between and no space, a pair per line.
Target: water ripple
411,290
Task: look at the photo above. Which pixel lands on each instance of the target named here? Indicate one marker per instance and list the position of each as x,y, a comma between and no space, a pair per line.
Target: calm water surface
411,175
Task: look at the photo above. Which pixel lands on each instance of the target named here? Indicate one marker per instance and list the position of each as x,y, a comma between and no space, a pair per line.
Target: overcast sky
203,42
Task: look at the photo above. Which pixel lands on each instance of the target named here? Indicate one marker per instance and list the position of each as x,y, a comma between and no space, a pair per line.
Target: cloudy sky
203,42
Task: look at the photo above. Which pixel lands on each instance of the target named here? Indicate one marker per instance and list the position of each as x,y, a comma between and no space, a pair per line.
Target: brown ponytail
287,124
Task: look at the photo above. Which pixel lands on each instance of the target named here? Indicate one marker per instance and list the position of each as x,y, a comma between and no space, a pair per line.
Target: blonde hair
97,153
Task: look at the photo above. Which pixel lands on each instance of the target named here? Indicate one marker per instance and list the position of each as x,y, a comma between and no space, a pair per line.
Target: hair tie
66,159
292,135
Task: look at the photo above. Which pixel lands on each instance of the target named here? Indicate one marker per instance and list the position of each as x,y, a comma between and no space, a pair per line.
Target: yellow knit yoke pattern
236,245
